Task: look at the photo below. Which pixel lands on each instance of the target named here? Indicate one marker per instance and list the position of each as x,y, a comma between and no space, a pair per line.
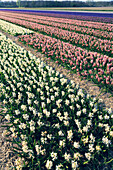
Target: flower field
77,28
44,109
60,46
86,41
41,19
54,123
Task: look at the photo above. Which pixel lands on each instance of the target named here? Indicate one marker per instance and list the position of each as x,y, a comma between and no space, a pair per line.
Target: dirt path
7,157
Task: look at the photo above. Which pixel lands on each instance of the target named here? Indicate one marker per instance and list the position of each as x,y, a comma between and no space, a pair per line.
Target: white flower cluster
19,163
58,126
13,29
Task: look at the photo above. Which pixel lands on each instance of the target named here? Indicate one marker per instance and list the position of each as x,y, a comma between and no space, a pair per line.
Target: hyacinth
54,123
79,17
86,41
88,64
50,21
96,25
91,65
13,29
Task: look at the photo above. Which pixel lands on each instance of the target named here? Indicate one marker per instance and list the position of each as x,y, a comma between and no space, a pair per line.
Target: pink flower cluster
91,42
87,64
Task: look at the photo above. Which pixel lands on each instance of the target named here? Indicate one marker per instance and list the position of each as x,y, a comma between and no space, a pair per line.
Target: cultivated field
52,122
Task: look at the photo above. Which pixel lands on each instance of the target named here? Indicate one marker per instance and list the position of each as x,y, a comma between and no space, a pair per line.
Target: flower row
86,41
92,65
76,17
95,25
13,29
54,124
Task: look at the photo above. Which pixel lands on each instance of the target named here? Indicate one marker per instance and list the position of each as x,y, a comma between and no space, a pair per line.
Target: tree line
41,3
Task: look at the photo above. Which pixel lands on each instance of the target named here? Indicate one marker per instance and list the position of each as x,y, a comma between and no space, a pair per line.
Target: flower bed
90,65
86,41
77,17
95,25
13,29
79,29
53,122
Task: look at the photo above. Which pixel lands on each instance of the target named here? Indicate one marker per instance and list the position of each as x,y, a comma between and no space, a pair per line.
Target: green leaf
109,161
85,162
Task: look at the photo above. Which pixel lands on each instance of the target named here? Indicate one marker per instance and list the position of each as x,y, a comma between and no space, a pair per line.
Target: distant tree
18,3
